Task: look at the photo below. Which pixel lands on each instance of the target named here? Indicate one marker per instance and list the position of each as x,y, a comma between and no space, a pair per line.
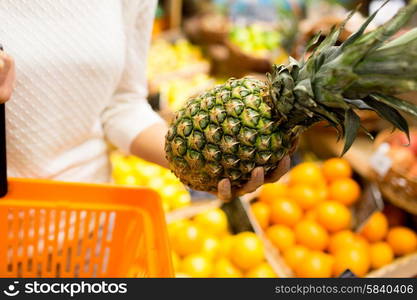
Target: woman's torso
69,57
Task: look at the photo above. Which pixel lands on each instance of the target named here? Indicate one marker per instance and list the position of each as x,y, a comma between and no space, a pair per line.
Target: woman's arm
7,76
128,119
149,144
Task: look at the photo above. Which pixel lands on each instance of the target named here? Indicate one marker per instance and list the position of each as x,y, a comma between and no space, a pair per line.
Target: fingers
294,146
7,76
224,190
283,167
256,180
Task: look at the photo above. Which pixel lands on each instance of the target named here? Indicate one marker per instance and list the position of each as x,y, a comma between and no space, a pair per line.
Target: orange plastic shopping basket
57,229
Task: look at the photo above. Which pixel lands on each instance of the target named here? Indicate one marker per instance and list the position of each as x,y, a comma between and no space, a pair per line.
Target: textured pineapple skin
226,133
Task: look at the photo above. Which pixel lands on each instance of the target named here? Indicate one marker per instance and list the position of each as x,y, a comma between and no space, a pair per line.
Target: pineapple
233,128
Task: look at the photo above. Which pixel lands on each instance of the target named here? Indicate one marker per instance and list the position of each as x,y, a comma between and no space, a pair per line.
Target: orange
312,235
306,173
376,227
395,216
188,239
381,254
315,265
223,268
285,211
305,195
197,265
281,236
346,191
360,242
333,216
272,191
214,221
262,212
340,240
311,215
322,192
336,168
246,250
402,240
355,259
264,270
294,255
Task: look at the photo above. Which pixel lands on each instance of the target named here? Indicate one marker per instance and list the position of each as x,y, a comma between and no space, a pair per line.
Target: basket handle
3,159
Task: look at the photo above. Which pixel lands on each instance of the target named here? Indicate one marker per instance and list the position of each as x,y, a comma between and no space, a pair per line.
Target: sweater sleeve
129,113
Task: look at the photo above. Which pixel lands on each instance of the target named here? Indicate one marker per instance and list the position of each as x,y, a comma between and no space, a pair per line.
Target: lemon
197,265
214,221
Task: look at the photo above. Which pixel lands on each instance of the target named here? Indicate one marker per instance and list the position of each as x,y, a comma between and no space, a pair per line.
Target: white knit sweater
80,80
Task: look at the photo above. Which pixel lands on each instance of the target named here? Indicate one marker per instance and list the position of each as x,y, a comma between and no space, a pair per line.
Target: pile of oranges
309,221
203,247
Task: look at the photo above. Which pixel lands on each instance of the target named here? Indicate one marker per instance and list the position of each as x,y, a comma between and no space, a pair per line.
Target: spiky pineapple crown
365,72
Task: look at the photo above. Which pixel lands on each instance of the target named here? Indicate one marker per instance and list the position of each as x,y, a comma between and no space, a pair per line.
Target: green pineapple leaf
390,114
355,36
351,127
396,103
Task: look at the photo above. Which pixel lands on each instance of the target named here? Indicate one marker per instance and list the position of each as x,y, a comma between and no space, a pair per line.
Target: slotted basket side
107,237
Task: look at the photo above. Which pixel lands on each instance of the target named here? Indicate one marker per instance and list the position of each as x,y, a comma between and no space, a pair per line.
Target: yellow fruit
294,255
211,247
175,261
306,196
376,228
197,265
180,200
312,235
402,240
246,251
168,191
187,240
336,168
315,264
165,206
264,270
285,212
225,246
262,212
345,191
214,221
340,240
127,180
306,173
333,216
272,191
173,227
353,258
181,275
381,254
281,236
156,183
223,268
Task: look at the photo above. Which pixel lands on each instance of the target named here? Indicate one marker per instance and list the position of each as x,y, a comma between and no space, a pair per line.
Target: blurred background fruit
203,247
130,170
